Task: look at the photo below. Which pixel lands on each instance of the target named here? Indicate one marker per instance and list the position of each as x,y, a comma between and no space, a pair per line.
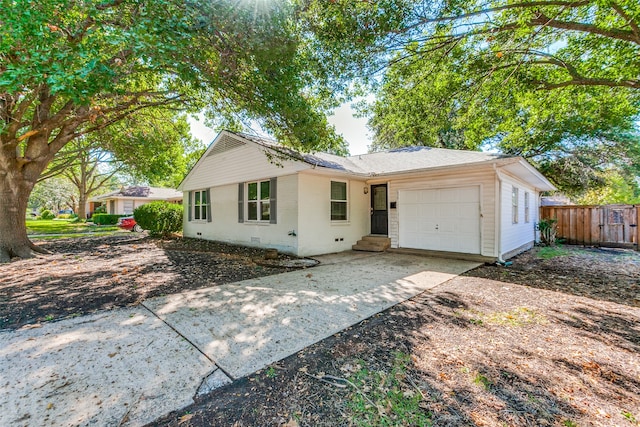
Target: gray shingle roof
142,192
397,160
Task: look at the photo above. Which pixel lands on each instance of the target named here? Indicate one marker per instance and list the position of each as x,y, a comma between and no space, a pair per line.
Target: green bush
47,214
100,209
160,218
67,216
548,228
105,219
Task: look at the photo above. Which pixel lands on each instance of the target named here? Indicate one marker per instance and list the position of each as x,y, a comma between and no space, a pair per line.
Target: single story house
126,199
249,190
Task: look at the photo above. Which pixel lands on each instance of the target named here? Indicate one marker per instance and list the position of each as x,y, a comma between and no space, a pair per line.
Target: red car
128,223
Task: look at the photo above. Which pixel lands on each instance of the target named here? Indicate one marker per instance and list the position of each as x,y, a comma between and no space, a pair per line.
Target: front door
379,213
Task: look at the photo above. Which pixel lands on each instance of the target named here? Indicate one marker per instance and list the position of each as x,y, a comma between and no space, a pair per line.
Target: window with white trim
200,203
514,205
339,202
526,206
258,201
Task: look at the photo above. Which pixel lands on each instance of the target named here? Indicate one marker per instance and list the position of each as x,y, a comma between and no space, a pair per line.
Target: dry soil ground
551,341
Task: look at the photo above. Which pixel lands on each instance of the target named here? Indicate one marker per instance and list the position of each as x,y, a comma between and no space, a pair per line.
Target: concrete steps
372,244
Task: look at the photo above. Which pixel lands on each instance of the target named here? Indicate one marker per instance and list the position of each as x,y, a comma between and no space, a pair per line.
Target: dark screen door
379,213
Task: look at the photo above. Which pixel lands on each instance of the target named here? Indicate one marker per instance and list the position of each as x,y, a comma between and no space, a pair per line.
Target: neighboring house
251,191
125,200
555,200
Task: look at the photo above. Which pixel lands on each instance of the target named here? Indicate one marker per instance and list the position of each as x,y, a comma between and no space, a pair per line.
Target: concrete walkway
130,366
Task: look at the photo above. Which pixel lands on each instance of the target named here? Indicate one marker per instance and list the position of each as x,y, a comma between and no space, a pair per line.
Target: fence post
637,227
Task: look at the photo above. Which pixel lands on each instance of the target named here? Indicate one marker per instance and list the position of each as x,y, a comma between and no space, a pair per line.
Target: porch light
366,189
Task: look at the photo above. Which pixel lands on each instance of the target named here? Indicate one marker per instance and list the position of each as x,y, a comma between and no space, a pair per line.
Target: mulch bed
84,275
562,348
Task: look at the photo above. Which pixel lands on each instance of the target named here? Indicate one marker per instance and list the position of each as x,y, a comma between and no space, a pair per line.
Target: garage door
443,219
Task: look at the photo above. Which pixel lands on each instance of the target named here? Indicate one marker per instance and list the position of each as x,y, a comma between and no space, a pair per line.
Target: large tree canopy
70,68
555,81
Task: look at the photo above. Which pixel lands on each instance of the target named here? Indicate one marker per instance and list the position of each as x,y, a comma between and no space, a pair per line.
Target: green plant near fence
106,219
548,229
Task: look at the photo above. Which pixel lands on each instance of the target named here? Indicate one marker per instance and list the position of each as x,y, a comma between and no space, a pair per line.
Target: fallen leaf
185,418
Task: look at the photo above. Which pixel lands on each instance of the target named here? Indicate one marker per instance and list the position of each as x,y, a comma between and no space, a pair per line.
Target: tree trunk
82,206
14,242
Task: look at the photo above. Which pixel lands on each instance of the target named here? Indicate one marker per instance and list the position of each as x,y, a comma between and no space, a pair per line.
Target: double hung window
258,201
339,201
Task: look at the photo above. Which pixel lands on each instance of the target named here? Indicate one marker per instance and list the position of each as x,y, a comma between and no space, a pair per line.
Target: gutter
499,217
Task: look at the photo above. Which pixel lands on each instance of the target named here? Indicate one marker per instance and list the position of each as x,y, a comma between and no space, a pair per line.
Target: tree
554,81
548,43
68,69
53,194
573,134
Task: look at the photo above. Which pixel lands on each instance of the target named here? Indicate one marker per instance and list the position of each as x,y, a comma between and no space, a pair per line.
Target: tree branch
624,15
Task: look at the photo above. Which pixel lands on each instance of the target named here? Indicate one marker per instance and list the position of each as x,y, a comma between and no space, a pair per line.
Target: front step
372,244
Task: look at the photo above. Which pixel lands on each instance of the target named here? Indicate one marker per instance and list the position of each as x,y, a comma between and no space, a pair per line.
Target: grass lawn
65,226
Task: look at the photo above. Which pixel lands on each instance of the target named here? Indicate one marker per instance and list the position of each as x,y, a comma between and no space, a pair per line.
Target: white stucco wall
317,234
224,225
514,236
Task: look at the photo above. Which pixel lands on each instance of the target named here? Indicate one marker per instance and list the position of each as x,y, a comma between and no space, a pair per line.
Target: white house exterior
126,199
249,191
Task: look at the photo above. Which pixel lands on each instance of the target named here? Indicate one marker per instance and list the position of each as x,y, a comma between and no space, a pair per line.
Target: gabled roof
396,160
141,192
390,162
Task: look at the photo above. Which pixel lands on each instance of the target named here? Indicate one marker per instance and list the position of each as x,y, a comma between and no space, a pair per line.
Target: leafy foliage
47,214
554,81
548,228
160,218
105,219
68,69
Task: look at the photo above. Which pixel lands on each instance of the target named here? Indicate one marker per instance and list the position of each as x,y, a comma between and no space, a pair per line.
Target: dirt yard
84,275
552,340
473,351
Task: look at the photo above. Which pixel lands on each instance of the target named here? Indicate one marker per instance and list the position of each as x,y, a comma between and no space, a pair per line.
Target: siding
224,225
514,236
245,163
485,178
317,234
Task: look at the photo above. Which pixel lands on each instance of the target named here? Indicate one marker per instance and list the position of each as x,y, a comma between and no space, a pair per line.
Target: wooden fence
607,225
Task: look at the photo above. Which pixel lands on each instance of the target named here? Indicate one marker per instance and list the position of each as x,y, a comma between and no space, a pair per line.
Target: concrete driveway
130,366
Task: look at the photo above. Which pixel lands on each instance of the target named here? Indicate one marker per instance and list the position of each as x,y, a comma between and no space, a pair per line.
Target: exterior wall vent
225,143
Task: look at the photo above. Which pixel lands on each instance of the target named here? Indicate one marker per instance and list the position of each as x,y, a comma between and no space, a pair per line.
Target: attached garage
440,219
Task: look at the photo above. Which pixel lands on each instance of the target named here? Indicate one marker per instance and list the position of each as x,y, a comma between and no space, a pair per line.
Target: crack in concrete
212,380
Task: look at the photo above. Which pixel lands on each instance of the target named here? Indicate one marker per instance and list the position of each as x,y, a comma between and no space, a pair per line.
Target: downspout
499,218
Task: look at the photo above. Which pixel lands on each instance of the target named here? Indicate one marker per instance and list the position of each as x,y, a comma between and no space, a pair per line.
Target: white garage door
443,219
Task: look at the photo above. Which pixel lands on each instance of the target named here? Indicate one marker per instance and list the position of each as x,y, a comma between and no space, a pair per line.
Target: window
200,204
258,201
526,206
514,205
338,201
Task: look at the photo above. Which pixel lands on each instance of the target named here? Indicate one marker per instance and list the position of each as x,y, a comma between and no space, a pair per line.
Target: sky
354,130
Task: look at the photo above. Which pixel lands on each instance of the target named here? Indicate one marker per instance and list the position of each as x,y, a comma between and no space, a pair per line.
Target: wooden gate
608,225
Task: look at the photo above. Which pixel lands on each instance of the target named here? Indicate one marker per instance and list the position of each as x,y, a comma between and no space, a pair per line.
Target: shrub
105,219
548,229
47,214
67,216
160,218
100,209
